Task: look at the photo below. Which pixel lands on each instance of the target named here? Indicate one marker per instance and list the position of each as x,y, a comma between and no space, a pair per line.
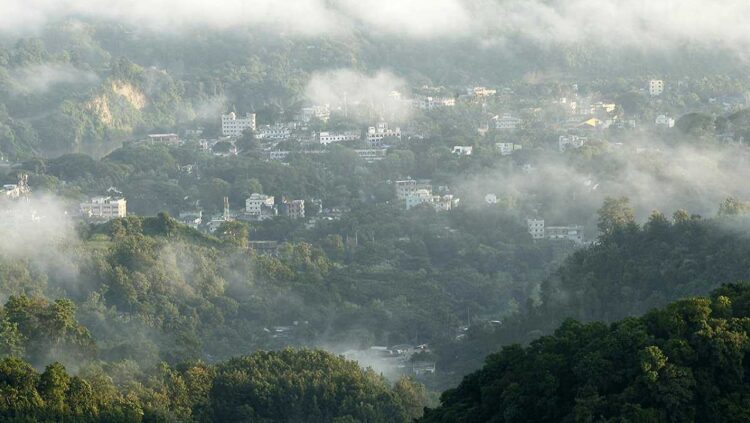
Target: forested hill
292,386
686,362
85,86
630,270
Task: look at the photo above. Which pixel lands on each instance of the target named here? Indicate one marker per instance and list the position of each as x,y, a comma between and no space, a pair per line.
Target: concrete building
326,138
571,232
432,103
664,121
104,208
570,141
507,122
191,218
507,148
482,92
409,187
371,154
166,139
420,196
445,202
655,87
259,205
462,150
15,191
536,228
294,209
273,132
233,126
376,134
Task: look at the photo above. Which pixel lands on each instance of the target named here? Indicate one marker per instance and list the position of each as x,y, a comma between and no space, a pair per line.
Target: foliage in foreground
288,385
685,362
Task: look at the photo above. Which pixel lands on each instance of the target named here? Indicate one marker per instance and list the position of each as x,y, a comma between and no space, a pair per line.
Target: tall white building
104,208
536,228
258,204
233,126
375,134
655,87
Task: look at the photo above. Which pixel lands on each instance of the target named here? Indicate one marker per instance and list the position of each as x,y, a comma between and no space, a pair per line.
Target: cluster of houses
413,193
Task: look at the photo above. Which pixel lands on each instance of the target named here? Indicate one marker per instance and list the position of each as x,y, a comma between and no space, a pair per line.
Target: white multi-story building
372,154
233,126
507,122
664,121
375,134
507,148
655,87
191,218
104,208
536,228
409,187
462,150
431,103
294,209
258,205
420,196
570,141
326,138
444,203
481,92
167,139
571,232
273,132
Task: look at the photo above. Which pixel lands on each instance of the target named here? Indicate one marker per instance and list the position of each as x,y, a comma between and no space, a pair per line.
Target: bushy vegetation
288,385
685,362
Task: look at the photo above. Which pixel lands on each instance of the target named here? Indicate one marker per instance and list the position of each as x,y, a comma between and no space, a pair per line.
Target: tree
615,213
733,207
234,232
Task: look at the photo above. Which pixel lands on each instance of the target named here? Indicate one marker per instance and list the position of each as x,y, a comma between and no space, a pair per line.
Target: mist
39,231
40,78
653,175
366,97
642,24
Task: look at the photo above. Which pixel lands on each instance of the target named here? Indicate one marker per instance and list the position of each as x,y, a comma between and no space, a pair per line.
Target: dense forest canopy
334,210
684,362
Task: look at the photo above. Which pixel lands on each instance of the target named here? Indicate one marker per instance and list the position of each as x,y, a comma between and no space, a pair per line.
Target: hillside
87,85
630,270
685,362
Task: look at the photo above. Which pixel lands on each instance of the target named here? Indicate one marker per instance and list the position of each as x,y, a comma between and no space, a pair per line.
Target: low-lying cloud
659,177
644,24
368,97
40,78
